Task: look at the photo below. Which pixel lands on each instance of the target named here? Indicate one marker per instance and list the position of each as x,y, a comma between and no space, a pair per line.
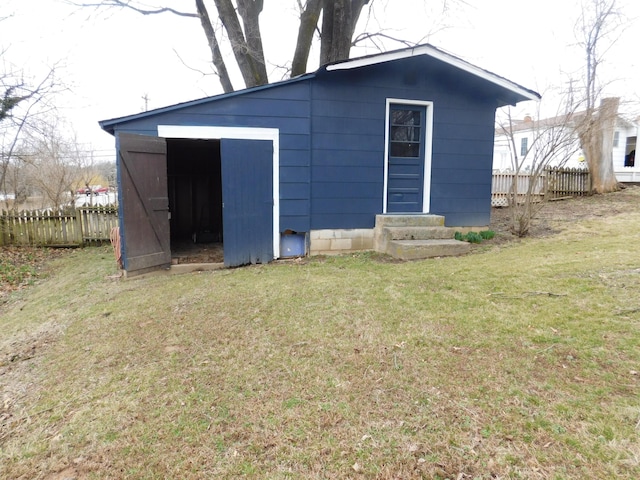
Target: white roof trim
439,55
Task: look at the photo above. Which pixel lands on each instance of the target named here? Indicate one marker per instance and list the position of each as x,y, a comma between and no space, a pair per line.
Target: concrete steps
413,237
418,249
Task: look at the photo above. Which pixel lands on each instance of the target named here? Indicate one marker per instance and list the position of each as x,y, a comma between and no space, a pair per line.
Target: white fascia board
214,132
439,55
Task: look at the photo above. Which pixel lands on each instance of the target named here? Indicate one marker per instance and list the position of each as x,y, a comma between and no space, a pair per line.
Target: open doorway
172,197
195,200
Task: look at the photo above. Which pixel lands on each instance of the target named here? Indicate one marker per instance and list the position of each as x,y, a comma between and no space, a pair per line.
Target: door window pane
405,133
405,117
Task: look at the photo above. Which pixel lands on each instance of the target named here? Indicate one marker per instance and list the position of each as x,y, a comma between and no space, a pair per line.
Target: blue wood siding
347,164
285,107
347,143
462,166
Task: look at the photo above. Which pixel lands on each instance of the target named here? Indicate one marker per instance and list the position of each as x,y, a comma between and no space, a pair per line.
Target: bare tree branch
240,21
372,36
128,4
33,98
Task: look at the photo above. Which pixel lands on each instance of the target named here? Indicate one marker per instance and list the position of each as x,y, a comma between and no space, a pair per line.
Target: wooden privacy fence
552,183
568,182
58,228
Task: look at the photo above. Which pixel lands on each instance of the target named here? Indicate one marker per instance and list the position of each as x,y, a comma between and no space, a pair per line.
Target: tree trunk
596,137
250,11
251,63
339,20
308,22
216,55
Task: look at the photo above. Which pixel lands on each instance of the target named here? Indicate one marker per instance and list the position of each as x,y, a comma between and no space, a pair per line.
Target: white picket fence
553,183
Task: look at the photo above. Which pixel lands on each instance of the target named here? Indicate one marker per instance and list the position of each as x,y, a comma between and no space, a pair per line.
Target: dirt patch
557,215
68,473
189,252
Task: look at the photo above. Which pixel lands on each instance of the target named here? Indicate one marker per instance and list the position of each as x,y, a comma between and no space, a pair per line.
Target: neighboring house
94,196
526,130
319,156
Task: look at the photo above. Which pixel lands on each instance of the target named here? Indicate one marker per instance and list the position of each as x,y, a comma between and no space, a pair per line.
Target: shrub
474,237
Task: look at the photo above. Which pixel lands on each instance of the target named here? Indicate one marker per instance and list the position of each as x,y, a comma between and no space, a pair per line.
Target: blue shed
322,160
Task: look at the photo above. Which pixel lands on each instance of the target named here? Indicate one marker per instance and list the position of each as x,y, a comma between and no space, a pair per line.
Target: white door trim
428,146
239,133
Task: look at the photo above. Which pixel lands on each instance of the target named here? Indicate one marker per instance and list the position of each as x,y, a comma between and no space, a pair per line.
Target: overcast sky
112,59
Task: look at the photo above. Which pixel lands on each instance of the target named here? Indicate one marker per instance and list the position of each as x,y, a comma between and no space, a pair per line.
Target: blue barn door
247,201
406,163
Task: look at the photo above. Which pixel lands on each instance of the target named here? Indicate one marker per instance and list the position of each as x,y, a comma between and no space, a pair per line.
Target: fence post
3,227
80,227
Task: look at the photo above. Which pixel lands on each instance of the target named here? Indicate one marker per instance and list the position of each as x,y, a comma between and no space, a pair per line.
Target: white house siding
502,153
627,139
626,144
102,199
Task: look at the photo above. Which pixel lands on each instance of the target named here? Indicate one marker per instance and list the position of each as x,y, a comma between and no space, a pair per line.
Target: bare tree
25,101
242,28
16,188
598,29
332,22
43,152
55,164
87,172
553,142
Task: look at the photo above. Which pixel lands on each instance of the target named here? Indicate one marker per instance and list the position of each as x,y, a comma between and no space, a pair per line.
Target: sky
118,62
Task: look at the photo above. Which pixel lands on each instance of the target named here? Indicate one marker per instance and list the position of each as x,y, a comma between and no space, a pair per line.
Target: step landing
419,220
420,249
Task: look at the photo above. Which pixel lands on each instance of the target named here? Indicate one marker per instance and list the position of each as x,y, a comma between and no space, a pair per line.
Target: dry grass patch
516,362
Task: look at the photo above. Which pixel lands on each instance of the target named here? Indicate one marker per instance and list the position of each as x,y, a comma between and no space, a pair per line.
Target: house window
524,146
405,133
616,139
630,158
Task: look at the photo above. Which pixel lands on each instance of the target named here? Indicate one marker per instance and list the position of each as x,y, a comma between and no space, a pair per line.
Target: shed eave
110,124
431,51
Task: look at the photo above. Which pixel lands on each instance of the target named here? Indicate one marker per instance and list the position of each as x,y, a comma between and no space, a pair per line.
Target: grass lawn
520,360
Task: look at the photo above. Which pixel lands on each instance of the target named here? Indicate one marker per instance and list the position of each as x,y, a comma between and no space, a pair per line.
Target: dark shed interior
195,200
